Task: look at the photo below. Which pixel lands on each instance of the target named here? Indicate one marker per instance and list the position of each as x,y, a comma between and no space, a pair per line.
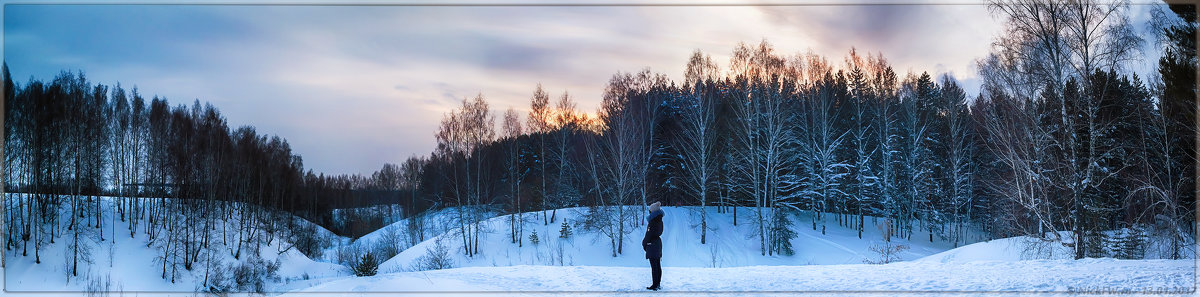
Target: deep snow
1005,249
1018,264
586,264
127,264
727,245
1090,275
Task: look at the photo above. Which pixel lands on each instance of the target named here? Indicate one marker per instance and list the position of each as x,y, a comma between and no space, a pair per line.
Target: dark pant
656,270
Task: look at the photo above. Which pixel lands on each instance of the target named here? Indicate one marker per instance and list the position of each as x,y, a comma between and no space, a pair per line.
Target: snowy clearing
1089,275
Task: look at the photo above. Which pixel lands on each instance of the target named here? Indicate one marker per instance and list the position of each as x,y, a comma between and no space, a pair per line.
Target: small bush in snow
98,286
1169,240
390,244
272,269
558,254
219,283
309,241
435,257
244,277
888,251
415,229
347,254
251,275
533,238
366,265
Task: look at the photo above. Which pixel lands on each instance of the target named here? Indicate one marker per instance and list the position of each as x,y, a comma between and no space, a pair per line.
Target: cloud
352,87
935,38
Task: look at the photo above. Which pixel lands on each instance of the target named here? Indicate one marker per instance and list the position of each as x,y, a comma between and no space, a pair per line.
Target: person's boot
652,288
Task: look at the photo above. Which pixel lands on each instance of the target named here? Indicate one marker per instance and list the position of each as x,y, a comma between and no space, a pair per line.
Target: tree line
1062,137
178,174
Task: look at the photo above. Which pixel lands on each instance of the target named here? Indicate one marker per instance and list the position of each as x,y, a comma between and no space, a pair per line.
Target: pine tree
782,234
367,265
565,232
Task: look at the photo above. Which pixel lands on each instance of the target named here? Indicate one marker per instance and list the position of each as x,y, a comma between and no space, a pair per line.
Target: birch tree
824,142
539,124
516,174
698,143
462,133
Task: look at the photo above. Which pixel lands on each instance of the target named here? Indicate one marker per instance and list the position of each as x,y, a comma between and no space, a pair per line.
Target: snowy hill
124,263
1004,249
997,265
727,246
434,223
1029,248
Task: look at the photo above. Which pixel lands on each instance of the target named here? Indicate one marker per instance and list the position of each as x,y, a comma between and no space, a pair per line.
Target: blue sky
353,87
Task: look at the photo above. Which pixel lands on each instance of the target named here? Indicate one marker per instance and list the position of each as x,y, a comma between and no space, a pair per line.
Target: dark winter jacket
652,244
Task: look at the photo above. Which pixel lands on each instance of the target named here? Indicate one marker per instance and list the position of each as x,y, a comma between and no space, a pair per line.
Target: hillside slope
727,245
124,263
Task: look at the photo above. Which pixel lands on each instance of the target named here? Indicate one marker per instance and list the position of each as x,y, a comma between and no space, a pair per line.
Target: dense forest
1062,136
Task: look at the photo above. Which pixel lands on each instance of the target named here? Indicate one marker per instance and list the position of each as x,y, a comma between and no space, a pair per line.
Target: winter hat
655,206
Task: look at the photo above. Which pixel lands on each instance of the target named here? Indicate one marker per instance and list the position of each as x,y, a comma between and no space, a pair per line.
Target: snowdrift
1018,264
1030,248
1068,277
1005,249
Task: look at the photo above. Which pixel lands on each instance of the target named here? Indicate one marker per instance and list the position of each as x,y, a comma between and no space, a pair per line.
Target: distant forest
1061,137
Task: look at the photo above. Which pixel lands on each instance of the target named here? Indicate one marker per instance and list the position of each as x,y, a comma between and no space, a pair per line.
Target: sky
354,87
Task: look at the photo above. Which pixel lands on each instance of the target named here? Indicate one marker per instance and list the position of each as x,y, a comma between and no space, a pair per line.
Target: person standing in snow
652,244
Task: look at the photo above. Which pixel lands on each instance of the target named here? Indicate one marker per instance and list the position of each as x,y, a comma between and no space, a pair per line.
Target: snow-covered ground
729,262
1035,278
1005,249
1013,265
124,263
727,245
1090,275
